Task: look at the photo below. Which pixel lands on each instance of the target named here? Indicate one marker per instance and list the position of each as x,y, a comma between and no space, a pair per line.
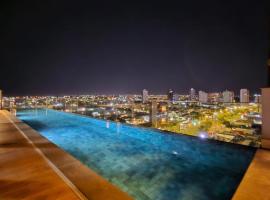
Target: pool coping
77,175
25,172
256,182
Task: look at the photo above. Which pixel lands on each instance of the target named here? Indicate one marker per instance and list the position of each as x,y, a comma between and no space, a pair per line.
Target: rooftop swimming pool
146,163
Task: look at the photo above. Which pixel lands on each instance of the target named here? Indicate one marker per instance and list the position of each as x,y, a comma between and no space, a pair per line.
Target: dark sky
74,47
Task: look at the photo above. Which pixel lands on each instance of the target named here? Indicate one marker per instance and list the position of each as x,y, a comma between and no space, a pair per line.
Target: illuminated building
162,108
214,97
176,97
192,94
228,96
244,96
170,95
153,113
203,97
144,96
257,98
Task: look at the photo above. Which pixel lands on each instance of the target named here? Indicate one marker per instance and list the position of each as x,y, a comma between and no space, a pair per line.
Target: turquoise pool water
148,164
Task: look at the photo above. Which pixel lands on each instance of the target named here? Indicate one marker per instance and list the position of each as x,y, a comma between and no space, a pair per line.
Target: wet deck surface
31,167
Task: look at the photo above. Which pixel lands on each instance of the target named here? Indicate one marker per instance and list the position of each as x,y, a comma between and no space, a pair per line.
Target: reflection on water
107,124
118,127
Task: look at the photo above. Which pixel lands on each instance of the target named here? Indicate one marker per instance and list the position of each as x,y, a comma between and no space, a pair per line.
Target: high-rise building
176,97
153,113
170,95
214,97
144,96
257,98
244,96
228,96
192,94
203,97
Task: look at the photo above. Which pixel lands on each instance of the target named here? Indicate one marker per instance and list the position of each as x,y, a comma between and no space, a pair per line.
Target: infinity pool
147,164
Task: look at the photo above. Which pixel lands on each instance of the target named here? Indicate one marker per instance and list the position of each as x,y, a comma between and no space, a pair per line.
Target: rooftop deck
31,167
256,183
24,173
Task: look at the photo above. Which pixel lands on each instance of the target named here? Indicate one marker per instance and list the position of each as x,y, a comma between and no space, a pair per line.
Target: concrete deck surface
24,173
256,183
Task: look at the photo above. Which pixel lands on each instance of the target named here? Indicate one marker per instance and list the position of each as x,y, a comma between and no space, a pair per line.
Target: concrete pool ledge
73,179
255,184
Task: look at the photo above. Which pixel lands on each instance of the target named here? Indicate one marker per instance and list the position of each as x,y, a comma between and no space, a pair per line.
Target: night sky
110,47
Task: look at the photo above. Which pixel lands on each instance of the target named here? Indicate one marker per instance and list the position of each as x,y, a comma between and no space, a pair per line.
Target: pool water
146,163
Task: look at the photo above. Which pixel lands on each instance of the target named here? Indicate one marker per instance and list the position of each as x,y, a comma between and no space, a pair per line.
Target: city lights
210,116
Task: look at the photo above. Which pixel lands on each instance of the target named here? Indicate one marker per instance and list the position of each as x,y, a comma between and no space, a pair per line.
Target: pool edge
256,182
210,140
82,178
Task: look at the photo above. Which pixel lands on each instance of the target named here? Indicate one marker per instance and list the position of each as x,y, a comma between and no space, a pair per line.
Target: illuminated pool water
146,163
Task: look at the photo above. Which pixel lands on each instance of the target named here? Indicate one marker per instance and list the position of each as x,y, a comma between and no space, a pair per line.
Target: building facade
228,96
244,96
203,97
170,95
257,98
145,96
192,94
153,113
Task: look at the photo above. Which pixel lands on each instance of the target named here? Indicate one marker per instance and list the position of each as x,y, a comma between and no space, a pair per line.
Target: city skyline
220,116
146,92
